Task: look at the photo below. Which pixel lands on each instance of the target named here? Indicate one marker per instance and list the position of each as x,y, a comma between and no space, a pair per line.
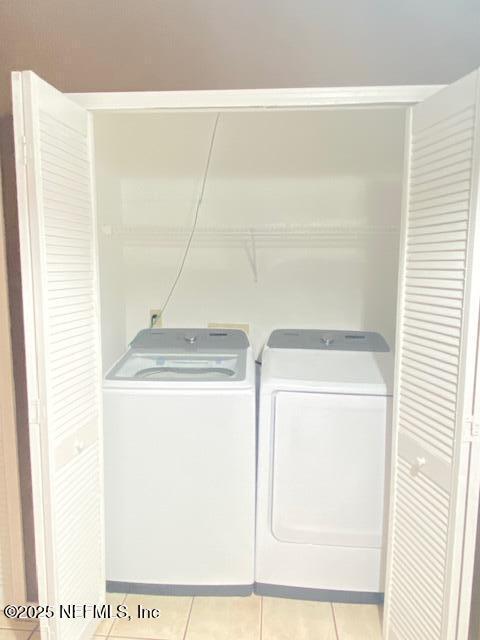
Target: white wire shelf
281,235
250,239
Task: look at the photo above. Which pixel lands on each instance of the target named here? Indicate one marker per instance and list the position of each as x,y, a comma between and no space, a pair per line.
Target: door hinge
474,423
35,412
24,151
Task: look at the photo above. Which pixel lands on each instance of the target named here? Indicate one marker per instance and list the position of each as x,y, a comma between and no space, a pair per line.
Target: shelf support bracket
251,251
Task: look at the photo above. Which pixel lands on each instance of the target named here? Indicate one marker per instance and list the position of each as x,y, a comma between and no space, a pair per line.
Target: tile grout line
125,595
136,638
261,617
335,621
188,619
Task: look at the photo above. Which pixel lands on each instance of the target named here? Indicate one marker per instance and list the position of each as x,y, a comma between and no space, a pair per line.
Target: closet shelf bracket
251,251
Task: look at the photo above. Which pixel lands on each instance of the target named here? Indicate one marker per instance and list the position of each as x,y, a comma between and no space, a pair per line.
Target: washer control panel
192,339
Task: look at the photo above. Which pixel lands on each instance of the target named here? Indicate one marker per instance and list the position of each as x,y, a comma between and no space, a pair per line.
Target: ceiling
107,45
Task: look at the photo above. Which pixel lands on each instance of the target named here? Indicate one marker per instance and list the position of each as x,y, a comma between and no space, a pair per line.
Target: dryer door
329,469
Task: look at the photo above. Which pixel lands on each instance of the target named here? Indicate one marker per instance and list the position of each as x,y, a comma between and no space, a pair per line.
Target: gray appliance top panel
188,340
328,340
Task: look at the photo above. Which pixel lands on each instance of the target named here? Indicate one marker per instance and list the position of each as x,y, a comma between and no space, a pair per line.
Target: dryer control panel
333,340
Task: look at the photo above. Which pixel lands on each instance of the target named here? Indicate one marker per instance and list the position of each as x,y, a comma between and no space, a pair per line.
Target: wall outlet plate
243,326
155,318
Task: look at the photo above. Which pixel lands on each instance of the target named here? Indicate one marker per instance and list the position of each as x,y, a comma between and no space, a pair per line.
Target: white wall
227,44
306,180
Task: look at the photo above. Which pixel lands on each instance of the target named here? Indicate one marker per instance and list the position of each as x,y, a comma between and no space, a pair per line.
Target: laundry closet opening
264,220
298,225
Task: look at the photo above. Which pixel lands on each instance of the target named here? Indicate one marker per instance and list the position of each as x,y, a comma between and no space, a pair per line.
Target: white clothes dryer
324,427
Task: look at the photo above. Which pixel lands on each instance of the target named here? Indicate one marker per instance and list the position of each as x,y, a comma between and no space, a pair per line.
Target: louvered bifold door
435,445
60,296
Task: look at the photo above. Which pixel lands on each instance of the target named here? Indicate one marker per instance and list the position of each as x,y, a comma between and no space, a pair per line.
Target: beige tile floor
252,618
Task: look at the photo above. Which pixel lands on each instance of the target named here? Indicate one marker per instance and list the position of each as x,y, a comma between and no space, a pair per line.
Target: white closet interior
298,227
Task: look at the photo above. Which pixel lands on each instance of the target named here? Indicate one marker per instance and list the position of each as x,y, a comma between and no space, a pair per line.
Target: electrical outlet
155,318
243,326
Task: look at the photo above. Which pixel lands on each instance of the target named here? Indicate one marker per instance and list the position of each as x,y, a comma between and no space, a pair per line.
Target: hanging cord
195,219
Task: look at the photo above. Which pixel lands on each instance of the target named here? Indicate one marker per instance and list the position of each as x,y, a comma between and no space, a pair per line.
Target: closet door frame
278,99
255,99
305,99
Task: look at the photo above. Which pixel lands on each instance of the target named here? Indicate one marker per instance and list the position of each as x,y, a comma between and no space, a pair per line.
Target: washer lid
333,340
141,365
188,340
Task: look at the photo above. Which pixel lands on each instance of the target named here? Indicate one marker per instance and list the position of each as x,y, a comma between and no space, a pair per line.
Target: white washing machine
179,423
324,426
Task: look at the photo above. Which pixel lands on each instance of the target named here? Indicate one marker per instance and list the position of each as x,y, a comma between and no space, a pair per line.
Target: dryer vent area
263,219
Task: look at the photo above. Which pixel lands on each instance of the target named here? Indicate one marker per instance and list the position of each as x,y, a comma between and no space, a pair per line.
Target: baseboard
143,588
322,595
259,588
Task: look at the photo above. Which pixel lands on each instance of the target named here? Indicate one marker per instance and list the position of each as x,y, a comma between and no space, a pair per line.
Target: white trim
387,631
93,191
252,99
